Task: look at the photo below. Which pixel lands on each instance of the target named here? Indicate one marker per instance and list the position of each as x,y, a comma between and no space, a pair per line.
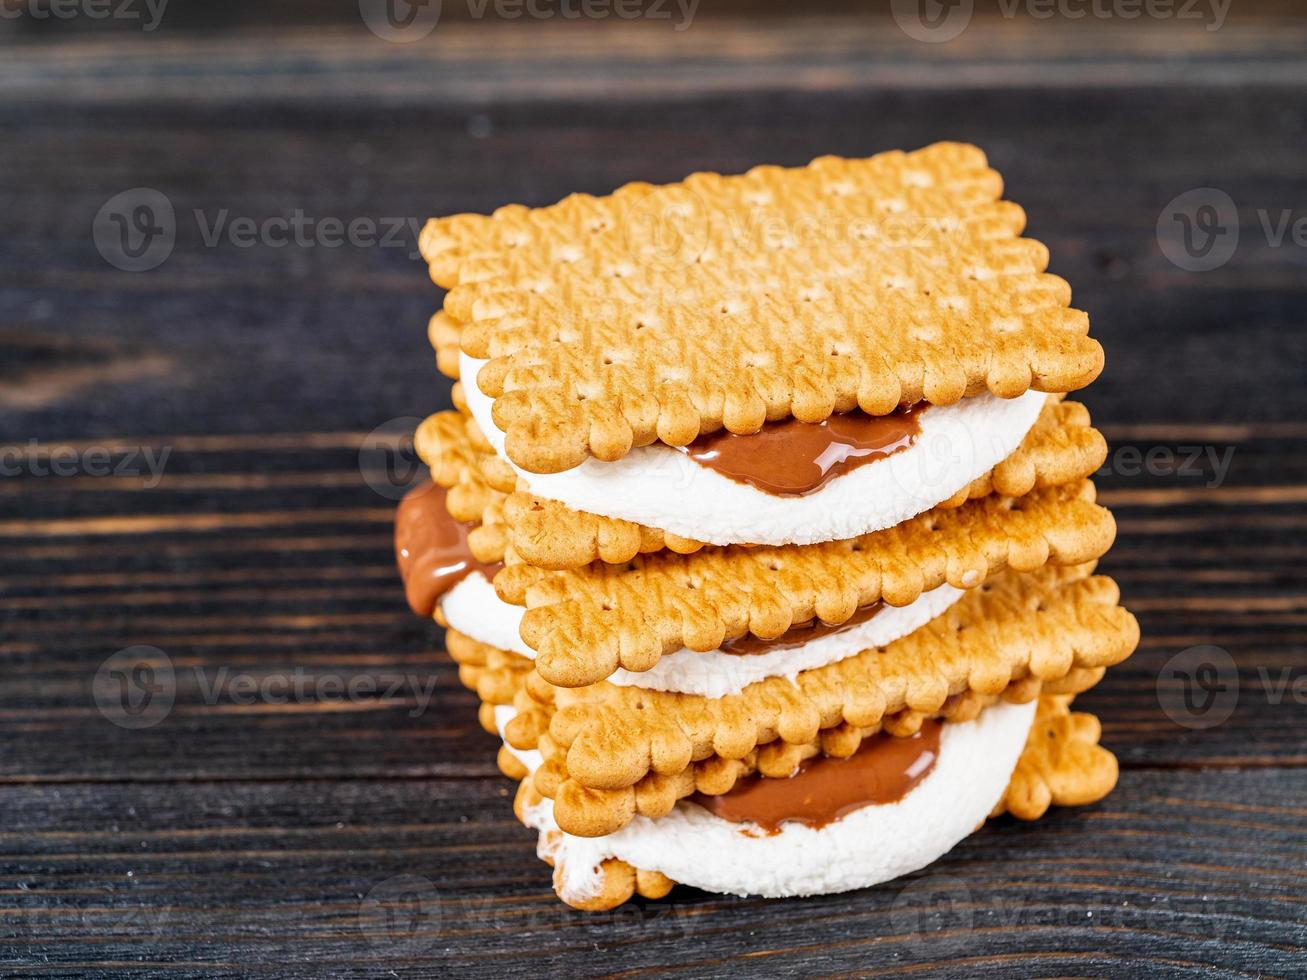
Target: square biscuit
660,313
585,623
611,752
1062,764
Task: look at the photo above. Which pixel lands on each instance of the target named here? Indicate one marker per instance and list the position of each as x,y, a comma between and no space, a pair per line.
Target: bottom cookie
1017,758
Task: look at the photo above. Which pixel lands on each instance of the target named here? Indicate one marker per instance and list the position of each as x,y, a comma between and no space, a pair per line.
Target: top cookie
658,313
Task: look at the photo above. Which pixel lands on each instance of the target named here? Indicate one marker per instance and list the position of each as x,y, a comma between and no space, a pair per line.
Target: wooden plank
525,59
1191,872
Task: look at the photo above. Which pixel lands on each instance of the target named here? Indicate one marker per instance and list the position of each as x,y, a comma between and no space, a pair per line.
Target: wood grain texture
243,833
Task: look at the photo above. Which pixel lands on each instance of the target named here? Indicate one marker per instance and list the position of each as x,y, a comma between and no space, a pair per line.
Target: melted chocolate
790,458
431,548
883,770
797,636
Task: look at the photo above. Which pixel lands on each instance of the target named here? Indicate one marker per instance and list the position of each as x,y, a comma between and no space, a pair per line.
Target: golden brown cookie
499,676
443,332
621,881
1062,764
494,675
611,752
658,313
585,623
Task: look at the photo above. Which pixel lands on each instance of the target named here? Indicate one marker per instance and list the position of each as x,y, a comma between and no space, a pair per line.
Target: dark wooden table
262,822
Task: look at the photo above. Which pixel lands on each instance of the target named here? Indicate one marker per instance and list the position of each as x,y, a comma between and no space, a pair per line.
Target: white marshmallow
866,847
659,487
473,608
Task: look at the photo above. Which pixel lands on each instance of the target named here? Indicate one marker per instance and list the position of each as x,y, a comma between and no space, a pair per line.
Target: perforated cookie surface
658,313
613,751
584,623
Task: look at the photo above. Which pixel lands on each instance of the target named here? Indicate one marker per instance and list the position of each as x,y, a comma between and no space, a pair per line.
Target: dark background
236,838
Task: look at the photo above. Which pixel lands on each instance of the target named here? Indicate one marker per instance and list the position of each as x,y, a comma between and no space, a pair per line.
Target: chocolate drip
797,636
790,458
431,548
824,789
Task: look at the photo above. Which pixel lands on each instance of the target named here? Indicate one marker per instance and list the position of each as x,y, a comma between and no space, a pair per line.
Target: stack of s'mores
764,530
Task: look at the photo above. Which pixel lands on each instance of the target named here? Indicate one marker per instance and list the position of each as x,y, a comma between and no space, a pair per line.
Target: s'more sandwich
763,529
